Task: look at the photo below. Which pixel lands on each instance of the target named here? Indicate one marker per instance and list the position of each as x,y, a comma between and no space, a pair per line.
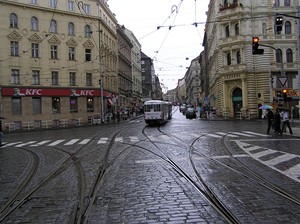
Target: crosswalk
283,162
129,139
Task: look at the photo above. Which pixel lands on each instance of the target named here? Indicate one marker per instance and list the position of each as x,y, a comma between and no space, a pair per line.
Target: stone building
54,54
239,81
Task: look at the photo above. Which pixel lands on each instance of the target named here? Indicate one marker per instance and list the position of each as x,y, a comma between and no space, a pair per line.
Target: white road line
40,143
254,133
56,142
134,138
293,172
26,143
263,153
279,159
242,134
11,144
119,139
215,136
229,135
72,142
102,141
85,141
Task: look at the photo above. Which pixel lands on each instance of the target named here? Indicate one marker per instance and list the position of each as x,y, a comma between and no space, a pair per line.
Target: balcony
228,6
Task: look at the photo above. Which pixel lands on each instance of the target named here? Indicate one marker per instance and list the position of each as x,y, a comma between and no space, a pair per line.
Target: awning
110,103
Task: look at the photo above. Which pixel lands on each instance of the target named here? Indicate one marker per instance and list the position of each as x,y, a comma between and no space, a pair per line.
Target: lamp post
100,73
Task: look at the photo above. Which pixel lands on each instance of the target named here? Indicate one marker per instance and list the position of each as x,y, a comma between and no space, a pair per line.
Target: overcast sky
167,32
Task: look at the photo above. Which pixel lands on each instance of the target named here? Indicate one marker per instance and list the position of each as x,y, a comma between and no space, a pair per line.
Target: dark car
190,113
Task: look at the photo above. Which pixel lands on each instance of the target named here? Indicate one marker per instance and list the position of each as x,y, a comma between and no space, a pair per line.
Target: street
186,171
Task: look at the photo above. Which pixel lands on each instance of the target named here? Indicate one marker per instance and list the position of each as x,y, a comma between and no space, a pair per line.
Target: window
278,56
34,2
287,3
34,23
88,54
34,50
276,3
87,31
16,105
54,78
53,26
225,2
237,29
288,27
87,8
73,104
228,57
13,21
53,3
89,79
71,29
35,77
72,53
238,57
289,55
72,77
36,105
227,34
90,104
54,53
71,5
55,104
15,76
14,48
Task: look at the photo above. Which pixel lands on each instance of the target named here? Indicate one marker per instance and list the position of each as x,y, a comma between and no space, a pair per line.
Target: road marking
134,138
258,134
40,143
215,136
56,142
229,135
242,134
102,141
85,141
72,142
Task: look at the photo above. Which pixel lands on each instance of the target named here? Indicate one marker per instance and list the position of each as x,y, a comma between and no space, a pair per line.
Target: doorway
237,101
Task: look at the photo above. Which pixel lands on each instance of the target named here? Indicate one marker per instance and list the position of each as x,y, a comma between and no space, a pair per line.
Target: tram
157,111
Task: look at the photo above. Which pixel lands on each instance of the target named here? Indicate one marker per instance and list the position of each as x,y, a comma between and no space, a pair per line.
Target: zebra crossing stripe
118,139
72,142
56,142
40,143
10,144
215,136
26,143
102,141
229,135
279,159
254,133
85,141
134,138
242,134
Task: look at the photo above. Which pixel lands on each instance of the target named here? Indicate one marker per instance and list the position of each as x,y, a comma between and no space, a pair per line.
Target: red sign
52,92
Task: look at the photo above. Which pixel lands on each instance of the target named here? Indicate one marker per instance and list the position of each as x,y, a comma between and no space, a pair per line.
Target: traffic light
255,44
278,23
284,94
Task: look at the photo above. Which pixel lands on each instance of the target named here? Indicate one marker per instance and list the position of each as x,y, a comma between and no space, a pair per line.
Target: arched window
225,2
71,29
34,23
87,31
227,33
278,55
53,26
238,57
237,29
289,55
13,19
228,56
288,27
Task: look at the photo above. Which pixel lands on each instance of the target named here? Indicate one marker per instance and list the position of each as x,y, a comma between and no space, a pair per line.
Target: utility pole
100,67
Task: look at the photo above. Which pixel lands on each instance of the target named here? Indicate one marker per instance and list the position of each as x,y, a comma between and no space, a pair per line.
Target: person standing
270,117
286,122
277,119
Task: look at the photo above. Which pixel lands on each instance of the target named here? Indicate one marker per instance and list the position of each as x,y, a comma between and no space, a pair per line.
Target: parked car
190,113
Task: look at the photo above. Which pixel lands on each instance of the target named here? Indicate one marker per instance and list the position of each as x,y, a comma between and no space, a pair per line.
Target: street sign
282,80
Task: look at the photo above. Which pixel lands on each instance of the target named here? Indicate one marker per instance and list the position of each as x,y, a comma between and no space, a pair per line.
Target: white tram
157,111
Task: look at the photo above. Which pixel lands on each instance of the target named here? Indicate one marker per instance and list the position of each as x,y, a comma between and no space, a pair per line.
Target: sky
166,31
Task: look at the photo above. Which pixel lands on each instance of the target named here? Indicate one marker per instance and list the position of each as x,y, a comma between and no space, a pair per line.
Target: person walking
270,117
277,121
286,122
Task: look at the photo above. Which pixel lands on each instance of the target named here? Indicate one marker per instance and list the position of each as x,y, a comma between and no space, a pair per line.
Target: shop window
16,105
73,104
90,104
56,104
36,105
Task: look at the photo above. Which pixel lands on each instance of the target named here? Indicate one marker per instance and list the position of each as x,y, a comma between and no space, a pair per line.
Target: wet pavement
137,185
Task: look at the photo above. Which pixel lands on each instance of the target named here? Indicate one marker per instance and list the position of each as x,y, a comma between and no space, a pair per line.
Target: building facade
239,81
54,57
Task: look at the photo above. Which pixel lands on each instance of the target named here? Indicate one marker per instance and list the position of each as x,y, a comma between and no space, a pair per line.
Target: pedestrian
277,122
286,122
1,134
270,117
